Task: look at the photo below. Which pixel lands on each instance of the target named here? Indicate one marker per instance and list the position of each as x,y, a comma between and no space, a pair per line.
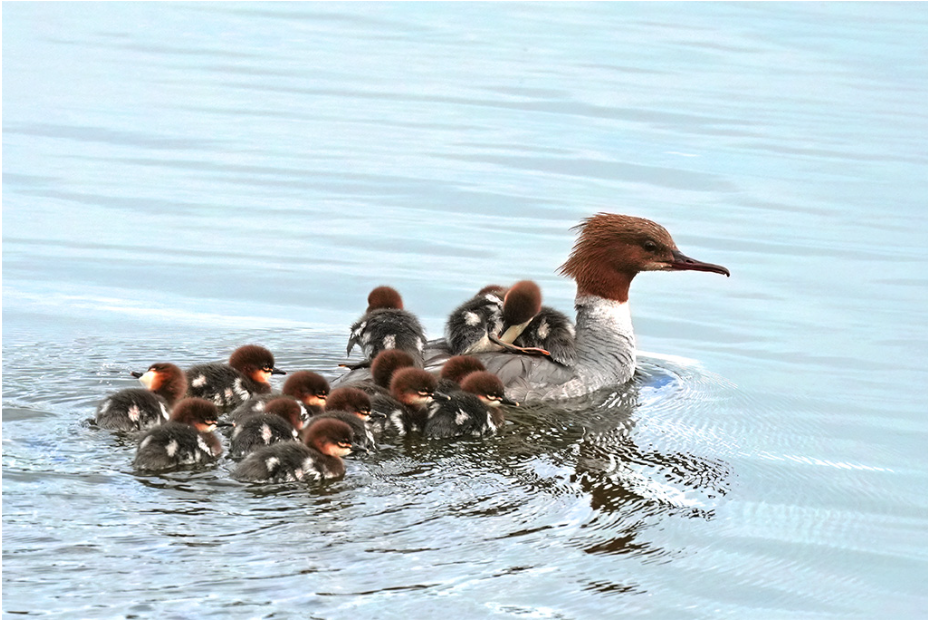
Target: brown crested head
459,366
288,409
488,387
165,379
384,297
412,385
307,387
612,248
522,303
386,363
329,436
351,400
201,414
254,362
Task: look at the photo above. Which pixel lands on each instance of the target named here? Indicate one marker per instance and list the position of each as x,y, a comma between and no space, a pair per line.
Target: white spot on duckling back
389,342
201,443
461,417
171,448
105,407
271,463
134,413
240,389
543,329
471,318
266,433
164,412
199,381
145,442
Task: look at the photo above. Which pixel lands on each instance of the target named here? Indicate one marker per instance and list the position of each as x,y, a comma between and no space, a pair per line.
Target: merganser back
140,409
610,250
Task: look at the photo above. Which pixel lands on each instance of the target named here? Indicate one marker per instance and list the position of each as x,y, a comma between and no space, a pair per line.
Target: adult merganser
140,409
386,325
353,406
249,369
327,442
306,387
472,410
187,439
281,421
610,250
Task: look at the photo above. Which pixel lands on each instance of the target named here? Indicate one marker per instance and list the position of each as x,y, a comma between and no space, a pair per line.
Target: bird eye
344,444
650,246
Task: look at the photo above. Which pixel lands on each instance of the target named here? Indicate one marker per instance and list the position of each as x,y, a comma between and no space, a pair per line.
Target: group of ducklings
303,432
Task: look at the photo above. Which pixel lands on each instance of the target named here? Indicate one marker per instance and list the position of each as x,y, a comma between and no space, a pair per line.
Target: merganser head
255,362
387,363
613,248
488,388
309,388
288,409
521,303
166,379
331,437
201,414
413,386
459,366
384,297
351,400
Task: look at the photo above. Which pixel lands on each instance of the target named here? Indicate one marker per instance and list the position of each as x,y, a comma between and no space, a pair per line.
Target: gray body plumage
385,329
131,410
173,445
222,385
291,461
259,430
553,331
467,326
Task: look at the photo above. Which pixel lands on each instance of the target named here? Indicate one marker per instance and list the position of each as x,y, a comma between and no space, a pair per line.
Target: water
180,179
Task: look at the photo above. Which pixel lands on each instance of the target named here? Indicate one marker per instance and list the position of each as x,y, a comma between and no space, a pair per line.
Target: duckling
140,409
249,369
551,331
386,325
281,420
454,370
308,388
406,408
353,406
472,410
470,324
187,439
327,442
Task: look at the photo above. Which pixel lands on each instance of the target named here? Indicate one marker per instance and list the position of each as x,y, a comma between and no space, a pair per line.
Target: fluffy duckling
248,372
386,325
306,387
406,408
454,370
327,442
551,331
473,410
353,406
139,409
469,325
281,420
186,440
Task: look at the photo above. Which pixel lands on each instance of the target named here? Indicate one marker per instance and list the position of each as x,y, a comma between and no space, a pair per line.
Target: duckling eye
344,444
650,246
425,393
365,411
267,368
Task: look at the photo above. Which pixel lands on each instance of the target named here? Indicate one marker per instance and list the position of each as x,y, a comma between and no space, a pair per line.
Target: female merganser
281,421
327,442
308,388
472,410
140,409
610,251
406,408
227,386
187,439
353,406
386,325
